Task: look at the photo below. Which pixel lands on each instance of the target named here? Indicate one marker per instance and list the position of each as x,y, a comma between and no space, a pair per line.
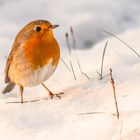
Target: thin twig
102,63
79,66
88,113
102,76
122,42
82,73
24,101
65,64
91,113
30,101
114,93
98,73
86,76
72,70
73,38
68,44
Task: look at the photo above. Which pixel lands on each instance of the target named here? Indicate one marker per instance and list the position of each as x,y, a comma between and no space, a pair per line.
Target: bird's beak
54,26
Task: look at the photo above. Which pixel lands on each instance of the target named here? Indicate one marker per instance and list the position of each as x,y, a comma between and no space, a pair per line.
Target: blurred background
86,17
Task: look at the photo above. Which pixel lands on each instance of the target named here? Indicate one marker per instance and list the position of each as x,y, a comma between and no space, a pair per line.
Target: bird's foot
58,95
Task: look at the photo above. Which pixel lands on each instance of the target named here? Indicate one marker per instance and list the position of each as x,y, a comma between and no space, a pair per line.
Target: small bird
34,57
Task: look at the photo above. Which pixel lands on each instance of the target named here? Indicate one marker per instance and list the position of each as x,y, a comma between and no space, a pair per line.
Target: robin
34,57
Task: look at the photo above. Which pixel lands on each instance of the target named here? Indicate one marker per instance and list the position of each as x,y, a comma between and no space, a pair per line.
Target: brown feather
9,61
8,88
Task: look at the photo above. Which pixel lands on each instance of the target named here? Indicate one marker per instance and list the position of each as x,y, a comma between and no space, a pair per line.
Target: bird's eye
37,29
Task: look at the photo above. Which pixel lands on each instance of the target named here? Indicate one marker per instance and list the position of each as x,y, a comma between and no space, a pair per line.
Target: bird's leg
52,94
21,93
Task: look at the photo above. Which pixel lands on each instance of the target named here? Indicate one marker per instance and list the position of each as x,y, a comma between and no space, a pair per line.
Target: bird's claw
57,95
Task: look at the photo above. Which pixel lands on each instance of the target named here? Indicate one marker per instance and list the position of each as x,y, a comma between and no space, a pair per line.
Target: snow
64,118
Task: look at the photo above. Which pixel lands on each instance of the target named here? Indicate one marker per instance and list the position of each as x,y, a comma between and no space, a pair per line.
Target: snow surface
62,119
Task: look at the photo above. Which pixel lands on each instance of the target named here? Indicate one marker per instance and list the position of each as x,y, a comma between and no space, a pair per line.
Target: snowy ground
61,119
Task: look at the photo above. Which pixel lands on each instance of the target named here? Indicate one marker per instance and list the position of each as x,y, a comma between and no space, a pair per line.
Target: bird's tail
8,88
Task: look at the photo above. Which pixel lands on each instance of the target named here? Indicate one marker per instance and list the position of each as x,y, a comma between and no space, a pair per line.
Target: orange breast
39,50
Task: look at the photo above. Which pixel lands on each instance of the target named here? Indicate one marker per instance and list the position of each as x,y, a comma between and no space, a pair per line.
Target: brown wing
8,63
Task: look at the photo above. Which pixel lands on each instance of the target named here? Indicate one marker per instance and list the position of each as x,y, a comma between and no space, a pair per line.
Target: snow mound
63,119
